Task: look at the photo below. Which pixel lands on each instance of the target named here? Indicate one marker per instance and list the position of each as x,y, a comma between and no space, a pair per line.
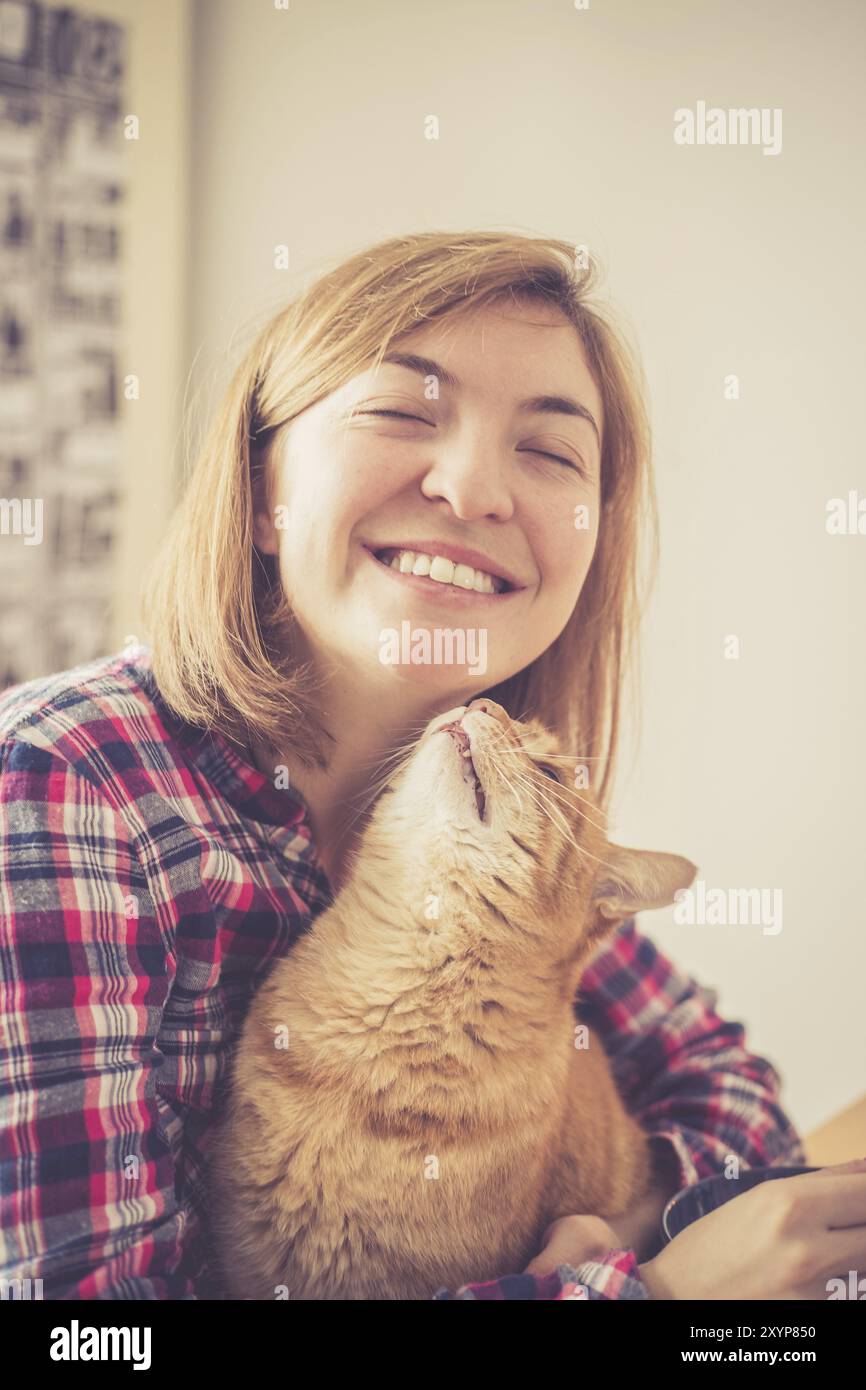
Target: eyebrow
547,405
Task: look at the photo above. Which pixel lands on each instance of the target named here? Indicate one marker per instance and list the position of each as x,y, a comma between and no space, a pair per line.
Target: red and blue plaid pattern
149,877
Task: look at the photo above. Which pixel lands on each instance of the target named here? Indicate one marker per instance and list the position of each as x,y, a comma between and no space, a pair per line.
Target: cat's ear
635,880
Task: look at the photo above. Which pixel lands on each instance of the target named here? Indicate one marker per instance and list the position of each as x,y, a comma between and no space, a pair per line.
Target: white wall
308,130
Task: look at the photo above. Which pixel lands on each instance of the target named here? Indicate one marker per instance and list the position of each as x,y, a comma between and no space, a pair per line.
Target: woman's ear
635,880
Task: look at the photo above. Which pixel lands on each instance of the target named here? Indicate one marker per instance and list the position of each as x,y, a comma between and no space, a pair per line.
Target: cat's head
493,809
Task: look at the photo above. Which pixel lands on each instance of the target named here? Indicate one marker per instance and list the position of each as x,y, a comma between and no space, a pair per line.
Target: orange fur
432,1112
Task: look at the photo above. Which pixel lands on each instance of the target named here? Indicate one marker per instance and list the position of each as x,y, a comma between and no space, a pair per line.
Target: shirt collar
231,769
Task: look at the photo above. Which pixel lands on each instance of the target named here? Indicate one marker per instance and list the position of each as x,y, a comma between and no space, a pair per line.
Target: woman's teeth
442,570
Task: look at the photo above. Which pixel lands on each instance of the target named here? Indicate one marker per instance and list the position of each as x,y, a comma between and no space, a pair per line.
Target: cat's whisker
569,834
371,794
560,790
553,786
399,752
514,793
545,794
552,812
534,788
581,849
537,792
558,757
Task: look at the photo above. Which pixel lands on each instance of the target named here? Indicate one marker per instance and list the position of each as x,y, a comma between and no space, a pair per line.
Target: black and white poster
61,246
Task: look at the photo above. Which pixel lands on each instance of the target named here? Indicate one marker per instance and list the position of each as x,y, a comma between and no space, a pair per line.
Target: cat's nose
486,706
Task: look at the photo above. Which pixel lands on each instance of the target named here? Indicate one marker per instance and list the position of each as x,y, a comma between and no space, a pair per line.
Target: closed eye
395,414
402,415
550,771
557,458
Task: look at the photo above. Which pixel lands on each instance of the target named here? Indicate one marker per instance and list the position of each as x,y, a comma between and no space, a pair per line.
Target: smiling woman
393,407
410,441
460,484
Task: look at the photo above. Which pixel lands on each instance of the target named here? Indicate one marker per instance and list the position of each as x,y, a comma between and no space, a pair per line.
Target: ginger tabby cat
411,1104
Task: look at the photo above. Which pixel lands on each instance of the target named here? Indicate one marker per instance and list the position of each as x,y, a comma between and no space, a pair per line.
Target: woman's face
465,466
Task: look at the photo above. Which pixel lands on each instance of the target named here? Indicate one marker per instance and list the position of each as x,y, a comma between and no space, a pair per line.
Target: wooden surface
840,1139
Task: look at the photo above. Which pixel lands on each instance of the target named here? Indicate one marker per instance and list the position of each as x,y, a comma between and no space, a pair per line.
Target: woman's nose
473,485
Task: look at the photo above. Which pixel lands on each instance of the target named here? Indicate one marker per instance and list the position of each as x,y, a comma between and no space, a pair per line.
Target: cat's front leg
603,1163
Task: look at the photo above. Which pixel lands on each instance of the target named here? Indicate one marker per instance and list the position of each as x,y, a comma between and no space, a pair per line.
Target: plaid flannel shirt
149,877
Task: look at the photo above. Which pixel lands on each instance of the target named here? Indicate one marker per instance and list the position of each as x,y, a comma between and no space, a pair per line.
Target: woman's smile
440,590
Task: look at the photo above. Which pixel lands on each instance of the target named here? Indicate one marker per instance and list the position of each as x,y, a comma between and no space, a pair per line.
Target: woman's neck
368,728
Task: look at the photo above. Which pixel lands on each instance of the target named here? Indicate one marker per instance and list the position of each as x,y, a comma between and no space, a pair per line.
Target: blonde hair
219,622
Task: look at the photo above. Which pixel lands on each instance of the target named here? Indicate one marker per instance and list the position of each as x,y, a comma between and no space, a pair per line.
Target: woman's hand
782,1239
572,1239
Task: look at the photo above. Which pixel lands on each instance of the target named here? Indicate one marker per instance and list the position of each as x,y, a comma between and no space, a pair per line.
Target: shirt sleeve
687,1077
87,1178
684,1071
